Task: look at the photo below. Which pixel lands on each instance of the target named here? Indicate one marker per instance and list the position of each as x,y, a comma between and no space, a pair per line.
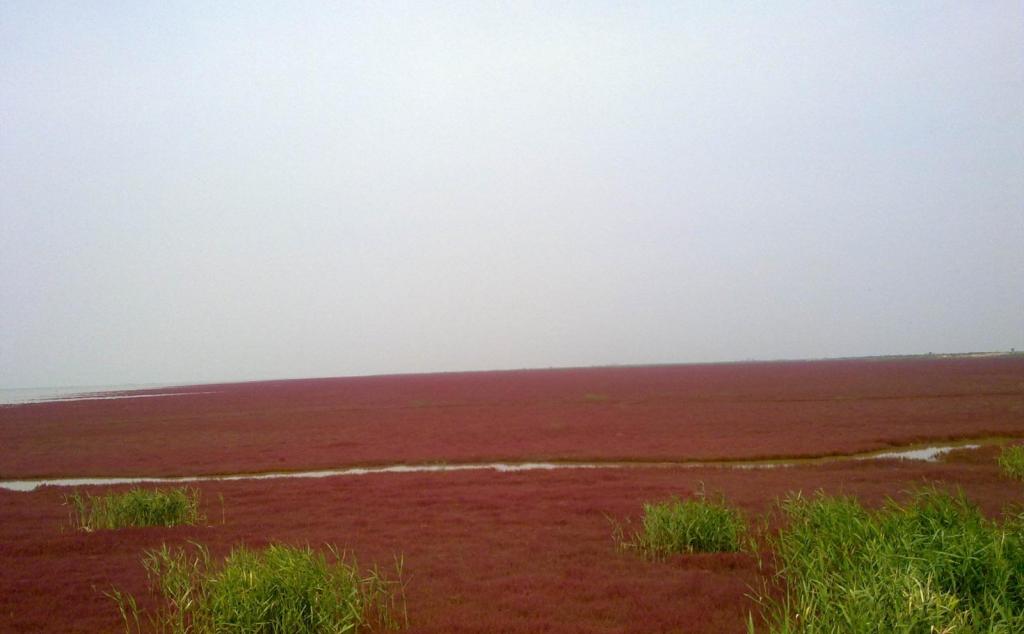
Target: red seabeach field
486,551
483,551
713,411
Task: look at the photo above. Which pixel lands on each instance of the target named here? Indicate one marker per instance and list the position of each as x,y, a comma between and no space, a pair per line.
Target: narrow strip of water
927,454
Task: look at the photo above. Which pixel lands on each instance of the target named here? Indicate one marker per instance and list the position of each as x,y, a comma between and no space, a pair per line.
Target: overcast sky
214,191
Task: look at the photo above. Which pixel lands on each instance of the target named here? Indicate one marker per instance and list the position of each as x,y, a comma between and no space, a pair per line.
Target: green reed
932,565
137,507
686,526
1011,461
281,589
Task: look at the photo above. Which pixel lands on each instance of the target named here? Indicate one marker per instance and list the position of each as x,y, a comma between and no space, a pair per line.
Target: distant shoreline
20,395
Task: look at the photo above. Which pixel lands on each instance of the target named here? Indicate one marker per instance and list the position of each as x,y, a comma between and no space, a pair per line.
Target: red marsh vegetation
483,551
654,413
486,551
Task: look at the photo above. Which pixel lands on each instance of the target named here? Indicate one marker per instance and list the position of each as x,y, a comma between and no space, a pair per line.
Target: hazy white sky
213,191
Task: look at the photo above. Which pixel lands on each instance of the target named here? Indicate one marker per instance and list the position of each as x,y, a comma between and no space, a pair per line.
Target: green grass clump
1011,461
932,565
137,507
281,589
687,526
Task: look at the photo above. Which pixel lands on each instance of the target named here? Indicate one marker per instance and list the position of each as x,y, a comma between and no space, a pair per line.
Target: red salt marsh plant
700,412
518,553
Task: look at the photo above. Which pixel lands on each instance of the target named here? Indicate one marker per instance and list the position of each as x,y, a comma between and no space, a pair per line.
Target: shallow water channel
927,454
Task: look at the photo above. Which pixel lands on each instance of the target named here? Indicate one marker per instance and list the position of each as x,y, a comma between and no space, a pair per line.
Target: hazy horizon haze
244,191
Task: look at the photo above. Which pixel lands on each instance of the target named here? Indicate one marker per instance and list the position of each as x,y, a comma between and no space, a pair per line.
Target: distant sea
10,396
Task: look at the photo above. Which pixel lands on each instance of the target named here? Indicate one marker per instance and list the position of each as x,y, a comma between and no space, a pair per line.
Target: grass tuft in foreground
281,589
686,526
1011,461
932,565
137,507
